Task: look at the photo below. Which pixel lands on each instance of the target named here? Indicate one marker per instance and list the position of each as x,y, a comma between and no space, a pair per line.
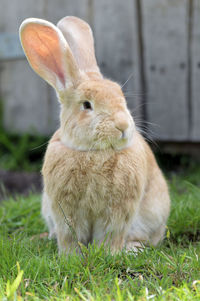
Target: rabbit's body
98,171
105,193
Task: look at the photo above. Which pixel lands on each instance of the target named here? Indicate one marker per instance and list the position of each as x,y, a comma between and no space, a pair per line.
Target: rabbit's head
94,114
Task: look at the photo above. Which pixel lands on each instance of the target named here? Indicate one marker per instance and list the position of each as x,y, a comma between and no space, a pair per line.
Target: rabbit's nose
122,127
121,123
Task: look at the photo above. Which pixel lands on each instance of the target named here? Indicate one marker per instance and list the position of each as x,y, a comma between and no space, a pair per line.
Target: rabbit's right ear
48,53
78,35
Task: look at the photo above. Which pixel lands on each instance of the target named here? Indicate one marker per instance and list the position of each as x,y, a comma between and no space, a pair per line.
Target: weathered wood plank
24,94
10,47
55,10
165,39
24,99
115,27
12,14
195,74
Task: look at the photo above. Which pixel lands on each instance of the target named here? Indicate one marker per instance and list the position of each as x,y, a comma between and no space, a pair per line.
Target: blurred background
151,47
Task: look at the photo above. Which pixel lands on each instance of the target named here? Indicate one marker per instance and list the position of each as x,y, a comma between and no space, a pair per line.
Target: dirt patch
17,182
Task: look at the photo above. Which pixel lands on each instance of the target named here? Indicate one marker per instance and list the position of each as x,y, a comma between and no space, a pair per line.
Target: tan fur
97,185
80,38
48,53
109,186
98,170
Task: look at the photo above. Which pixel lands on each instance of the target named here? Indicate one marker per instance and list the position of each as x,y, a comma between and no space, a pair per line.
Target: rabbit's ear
48,53
80,39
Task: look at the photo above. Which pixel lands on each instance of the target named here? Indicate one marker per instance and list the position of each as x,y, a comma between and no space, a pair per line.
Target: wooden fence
157,41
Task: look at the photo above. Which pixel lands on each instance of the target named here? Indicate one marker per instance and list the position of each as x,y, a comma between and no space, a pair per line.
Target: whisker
135,91
145,128
110,143
130,76
39,146
150,140
148,137
137,107
133,110
92,147
128,95
145,122
147,103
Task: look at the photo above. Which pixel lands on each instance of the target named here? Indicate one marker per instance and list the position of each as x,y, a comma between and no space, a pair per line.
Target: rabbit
100,176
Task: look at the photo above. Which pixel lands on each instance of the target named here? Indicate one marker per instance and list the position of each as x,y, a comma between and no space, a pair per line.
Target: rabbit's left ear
48,53
78,35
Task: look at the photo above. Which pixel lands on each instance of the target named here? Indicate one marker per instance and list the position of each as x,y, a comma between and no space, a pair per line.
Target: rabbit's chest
95,185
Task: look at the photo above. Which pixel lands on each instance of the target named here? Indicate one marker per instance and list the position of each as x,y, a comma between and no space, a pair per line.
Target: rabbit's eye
87,105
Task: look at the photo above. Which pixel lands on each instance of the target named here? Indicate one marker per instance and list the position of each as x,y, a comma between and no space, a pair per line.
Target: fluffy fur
98,170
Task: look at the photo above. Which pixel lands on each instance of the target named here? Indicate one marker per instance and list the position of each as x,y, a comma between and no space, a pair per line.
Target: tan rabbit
98,170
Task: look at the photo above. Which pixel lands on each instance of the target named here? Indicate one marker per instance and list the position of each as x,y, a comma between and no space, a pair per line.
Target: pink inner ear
42,47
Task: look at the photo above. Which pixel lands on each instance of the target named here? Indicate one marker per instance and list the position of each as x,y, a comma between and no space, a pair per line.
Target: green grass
21,152
31,269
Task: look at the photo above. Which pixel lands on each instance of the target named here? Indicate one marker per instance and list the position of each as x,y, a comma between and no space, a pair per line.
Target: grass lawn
30,268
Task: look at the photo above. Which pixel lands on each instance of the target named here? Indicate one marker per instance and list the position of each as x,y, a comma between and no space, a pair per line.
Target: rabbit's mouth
120,142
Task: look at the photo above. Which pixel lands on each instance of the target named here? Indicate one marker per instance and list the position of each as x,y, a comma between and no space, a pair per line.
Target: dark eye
87,105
